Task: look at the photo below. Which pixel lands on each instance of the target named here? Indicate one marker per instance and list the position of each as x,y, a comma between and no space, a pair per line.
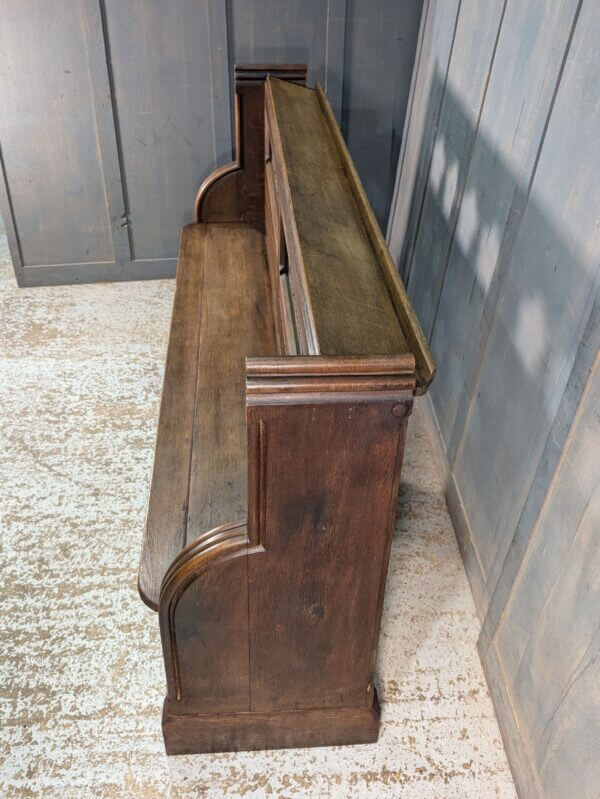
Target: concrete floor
81,681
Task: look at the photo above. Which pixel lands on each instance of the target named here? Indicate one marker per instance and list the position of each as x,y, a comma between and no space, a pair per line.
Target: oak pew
293,359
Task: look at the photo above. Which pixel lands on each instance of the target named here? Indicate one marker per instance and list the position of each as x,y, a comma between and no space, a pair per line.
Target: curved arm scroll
212,184
217,197
181,610
235,192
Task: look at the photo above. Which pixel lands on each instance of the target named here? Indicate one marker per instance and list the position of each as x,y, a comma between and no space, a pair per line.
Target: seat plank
237,309
221,313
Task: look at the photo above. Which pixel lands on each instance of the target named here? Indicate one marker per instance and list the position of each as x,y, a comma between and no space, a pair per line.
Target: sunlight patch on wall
468,221
438,164
530,338
450,188
487,257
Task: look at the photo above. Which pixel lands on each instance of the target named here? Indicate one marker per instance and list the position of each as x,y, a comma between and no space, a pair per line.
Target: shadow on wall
5,260
502,271
375,161
501,260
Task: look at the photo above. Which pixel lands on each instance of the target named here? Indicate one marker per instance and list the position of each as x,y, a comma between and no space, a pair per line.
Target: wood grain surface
325,231
221,313
269,531
328,510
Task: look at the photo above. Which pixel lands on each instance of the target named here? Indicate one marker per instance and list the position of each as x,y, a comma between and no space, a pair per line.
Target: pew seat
221,313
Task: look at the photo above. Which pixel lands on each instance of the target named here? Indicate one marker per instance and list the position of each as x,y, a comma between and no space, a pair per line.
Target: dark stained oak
234,732
166,522
221,313
204,623
314,592
236,321
293,360
355,301
235,192
323,222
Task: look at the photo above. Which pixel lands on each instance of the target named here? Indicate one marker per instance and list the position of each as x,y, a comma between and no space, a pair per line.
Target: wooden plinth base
234,732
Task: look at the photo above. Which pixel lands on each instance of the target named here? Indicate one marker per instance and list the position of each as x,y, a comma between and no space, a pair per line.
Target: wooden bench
293,359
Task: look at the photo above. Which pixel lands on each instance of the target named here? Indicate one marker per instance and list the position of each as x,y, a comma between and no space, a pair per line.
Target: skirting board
456,508
66,274
524,774
520,763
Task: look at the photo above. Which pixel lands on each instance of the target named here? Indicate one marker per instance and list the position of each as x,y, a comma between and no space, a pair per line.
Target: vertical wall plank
472,55
335,44
50,154
437,38
261,33
220,81
107,130
410,123
161,62
546,468
381,40
541,315
548,641
528,62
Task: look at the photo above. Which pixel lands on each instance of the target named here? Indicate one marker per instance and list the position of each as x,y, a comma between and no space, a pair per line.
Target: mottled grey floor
81,679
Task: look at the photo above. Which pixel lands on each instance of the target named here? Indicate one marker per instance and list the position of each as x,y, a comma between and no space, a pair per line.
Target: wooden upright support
235,192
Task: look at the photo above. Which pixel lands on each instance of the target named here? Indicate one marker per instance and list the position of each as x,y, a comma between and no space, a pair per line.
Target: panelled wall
495,226
114,111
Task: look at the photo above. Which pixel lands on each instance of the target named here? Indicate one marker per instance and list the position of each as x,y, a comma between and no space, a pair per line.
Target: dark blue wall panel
114,111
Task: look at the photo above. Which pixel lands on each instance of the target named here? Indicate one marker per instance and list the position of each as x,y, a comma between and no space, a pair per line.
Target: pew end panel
325,443
235,191
203,621
270,629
